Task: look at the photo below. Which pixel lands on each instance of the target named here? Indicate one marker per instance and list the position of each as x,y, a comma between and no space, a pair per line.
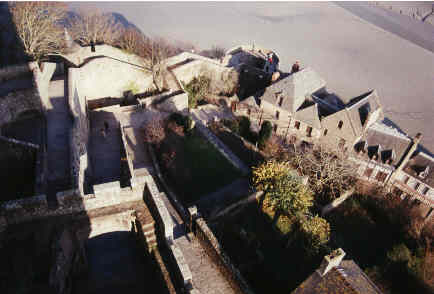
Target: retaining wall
213,248
14,72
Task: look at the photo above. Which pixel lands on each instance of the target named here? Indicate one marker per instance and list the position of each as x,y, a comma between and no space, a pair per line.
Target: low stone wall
15,72
166,227
16,103
213,248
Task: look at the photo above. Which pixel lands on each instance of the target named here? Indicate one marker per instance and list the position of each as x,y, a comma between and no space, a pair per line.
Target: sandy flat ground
352,54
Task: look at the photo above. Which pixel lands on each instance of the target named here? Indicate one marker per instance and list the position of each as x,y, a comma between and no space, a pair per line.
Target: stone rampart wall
166,226
223,79
15,103
213,248
79,133
14,72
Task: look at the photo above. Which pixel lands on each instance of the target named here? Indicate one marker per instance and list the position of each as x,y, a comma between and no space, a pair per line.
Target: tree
155,51
92,26
154,132
266,174
315,232
329,174
289,195
133,41
265,133
38,26
197,89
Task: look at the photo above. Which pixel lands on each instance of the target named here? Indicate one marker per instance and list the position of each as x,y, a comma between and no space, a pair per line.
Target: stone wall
15,72
215,251
13,105
223,79
109,72
79,133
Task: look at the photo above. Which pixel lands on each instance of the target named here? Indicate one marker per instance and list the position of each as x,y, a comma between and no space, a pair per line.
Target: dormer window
340,124
423,174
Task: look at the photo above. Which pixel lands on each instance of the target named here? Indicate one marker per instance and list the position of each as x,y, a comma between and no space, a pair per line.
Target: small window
248,111
381,177
277,114
309,131
406,179
280,101
292,139
325,132
275,128
425,191
297,125
417,186
340,124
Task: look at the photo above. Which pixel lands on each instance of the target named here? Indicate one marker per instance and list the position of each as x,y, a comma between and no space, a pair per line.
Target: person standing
295,67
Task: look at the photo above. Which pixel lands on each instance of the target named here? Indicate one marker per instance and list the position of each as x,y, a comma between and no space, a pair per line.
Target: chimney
330,261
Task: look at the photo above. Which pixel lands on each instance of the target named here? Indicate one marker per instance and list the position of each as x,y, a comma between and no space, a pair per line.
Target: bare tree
95,26
154,132
38,26
155,52
132,41
329,174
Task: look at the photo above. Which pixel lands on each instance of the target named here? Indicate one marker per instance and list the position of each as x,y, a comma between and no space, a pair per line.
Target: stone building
336,275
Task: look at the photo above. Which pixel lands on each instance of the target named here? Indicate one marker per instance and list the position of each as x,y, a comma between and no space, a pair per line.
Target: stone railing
213,248
166,227
127,154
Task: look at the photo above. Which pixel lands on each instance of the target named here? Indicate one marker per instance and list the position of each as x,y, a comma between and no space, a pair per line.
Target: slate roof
309,115
360,107
347,278
294,89
388,138
417,164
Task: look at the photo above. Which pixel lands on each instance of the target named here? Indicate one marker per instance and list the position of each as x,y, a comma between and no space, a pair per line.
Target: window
325,132
381,177
406,179
275,128
280,101
417,186
368,172
292,139
297,125
309,131
340,124
425,190
248,111
277,114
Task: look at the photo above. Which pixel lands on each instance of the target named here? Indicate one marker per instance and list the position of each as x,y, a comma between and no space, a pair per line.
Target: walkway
59,123
105,152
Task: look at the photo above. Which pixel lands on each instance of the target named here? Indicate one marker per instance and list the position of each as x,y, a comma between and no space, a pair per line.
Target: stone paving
105,151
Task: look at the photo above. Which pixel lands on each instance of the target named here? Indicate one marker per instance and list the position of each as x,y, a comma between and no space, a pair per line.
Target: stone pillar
331,261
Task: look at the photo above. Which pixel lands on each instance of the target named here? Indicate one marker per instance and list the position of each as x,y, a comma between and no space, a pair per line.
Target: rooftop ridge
388,130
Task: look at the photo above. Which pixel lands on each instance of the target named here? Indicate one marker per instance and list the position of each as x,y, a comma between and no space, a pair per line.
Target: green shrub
181,120
233,125
244,123
197,89
265,133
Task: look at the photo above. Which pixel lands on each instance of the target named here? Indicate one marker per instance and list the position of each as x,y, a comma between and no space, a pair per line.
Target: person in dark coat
295,67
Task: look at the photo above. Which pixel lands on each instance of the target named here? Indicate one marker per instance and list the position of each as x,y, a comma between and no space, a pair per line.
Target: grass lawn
195,167
243,151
